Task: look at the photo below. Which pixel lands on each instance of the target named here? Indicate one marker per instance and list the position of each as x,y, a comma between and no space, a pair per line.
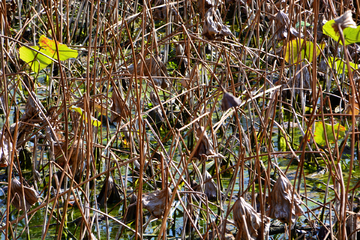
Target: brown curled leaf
248,221
16,195
155,202
119,108
282,197
213,25
155,68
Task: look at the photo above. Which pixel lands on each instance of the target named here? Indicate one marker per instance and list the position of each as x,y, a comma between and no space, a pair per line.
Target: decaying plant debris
155,68
284,204
213,25
103,103
156,202
229,101
249,222
30,196
283,27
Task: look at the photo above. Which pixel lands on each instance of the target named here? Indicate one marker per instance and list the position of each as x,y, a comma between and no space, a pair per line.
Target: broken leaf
155,202
16,195
46,46
282,197
248,221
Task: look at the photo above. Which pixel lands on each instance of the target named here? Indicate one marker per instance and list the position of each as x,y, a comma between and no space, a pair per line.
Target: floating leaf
321,130
350,30
46,46
79,110
339,65
306,48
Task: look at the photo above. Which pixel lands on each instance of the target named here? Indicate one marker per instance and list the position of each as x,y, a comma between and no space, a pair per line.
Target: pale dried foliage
344,21
284,202
248,221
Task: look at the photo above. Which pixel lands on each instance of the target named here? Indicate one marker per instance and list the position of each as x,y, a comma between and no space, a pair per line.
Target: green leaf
303,48
47,46
36,61
50,46
302,24
339,65
79,110
351,35
321,130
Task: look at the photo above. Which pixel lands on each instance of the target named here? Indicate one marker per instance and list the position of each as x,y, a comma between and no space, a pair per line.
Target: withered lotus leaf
248,221
282,196
155,68
159,12
210,187
205,147
131,211
16,195
77,157
155,202
229,101
158,113
119,108
282,23
31,110
112,194
344,21
6,147
213,25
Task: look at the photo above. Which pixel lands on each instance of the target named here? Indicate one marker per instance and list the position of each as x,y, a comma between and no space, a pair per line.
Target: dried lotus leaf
77,150
31,196
210,187
229,101
155,68
344,21
248,221
206,146
213,25
282,23
109,192
155,202
281,201
119,108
